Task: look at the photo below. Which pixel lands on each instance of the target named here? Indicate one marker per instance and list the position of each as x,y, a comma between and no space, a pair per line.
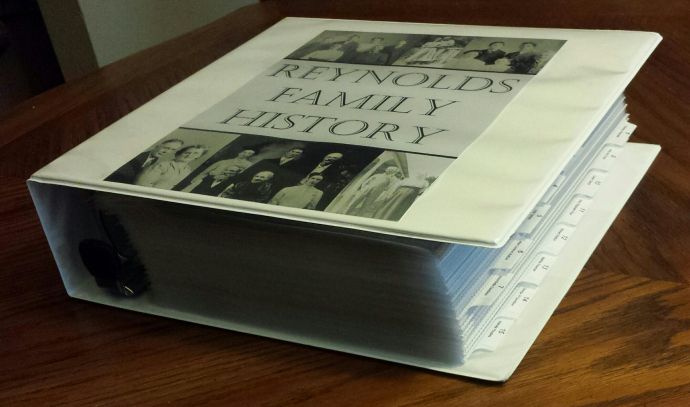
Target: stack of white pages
424,194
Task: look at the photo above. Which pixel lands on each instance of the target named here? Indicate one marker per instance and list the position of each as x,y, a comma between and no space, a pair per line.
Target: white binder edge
495,366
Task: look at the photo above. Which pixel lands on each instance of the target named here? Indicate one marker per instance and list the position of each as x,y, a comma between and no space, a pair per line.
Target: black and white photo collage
486,54
331,177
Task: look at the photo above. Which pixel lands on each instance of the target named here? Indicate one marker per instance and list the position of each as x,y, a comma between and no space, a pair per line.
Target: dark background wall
28,65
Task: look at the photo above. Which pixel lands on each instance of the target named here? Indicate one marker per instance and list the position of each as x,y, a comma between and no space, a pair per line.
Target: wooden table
621,336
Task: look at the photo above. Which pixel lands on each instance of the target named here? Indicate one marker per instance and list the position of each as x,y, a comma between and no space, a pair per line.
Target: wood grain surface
620,337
